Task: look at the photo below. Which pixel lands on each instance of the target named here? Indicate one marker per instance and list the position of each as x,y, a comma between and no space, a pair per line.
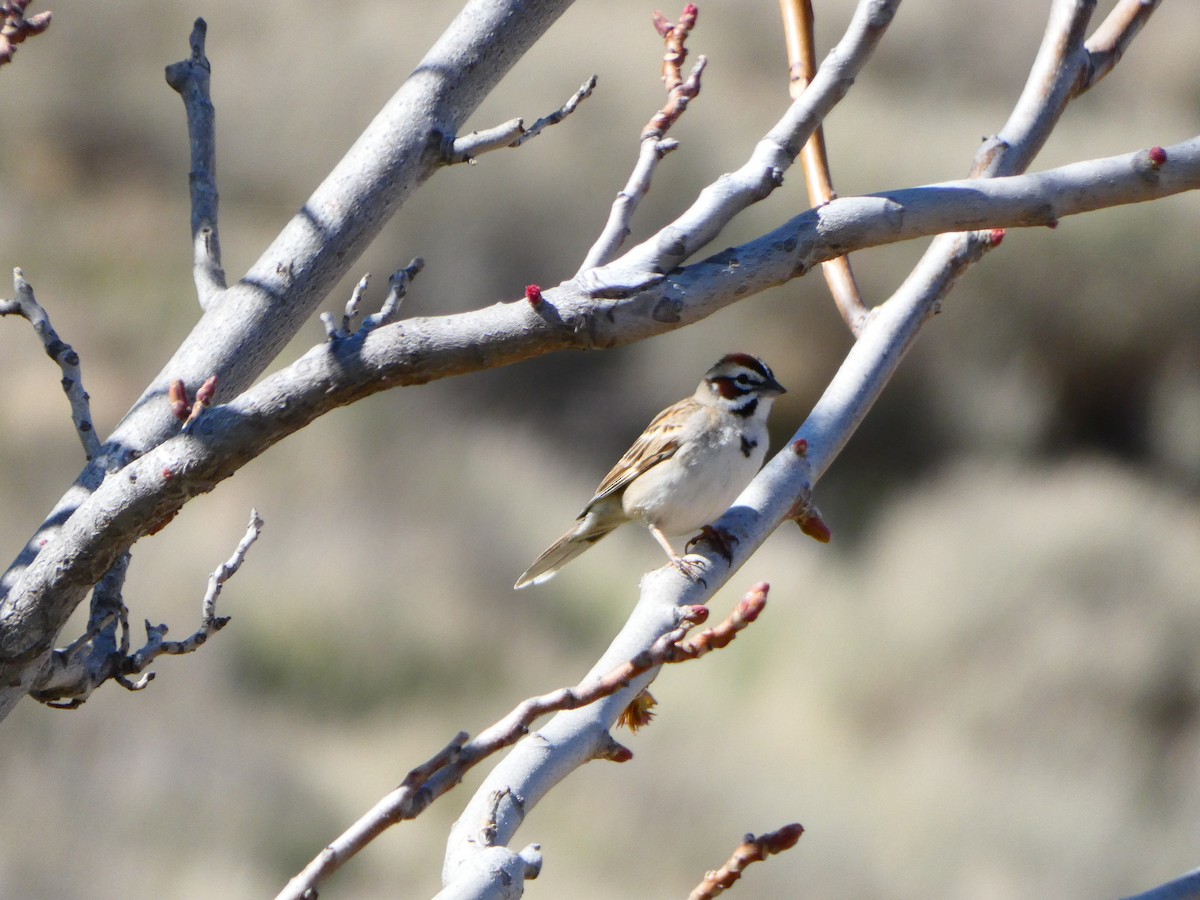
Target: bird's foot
718,538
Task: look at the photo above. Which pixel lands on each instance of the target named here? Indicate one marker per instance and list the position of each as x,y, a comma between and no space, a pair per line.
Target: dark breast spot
748,444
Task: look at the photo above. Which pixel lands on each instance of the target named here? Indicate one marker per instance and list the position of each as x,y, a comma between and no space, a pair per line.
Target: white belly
693,489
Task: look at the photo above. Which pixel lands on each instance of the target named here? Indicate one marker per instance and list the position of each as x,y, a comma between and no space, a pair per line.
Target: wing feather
658,442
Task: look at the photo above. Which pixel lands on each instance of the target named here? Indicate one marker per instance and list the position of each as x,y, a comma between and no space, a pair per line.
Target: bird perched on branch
690,463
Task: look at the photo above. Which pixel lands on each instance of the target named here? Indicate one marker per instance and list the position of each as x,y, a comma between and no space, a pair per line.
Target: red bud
207,390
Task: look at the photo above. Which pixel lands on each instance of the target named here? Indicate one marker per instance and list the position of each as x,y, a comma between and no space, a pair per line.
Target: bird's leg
690,569
719,538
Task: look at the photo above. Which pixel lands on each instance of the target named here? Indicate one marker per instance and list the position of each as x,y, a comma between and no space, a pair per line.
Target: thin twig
190,78
26,305
79,669
388,313
654,144
332,331
513,133
751,850
802,68
585,91
444,770
210,622
397,288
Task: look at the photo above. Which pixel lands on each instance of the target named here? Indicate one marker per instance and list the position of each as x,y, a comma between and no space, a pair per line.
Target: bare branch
577,736
1107,44
647,264
26,305
388,313
238,338
617,228
680,91
654,144
584,91
78,669
210,622
751,850
513,133
447,768
397,288
190,78
332,330
894,325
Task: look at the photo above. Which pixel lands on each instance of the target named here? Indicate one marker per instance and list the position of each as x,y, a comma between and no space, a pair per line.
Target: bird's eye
743,379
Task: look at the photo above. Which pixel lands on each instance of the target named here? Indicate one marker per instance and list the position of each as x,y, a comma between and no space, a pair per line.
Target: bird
685,469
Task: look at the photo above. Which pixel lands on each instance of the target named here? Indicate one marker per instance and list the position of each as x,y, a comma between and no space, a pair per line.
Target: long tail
562,551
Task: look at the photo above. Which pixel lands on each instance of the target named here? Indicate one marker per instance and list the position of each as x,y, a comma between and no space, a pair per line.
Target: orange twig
802,67
751,850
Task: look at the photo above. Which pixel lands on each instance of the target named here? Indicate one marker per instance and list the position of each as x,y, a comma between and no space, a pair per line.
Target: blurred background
986,686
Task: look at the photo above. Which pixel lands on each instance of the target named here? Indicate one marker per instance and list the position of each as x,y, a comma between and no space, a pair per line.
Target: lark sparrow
690,463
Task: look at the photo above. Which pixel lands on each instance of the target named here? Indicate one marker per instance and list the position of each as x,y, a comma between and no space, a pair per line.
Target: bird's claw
718,538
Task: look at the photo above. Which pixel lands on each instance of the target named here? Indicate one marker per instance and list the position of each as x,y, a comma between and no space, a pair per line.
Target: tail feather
561,552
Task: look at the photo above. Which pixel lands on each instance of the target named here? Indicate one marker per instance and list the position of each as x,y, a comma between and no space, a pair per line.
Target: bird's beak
773,388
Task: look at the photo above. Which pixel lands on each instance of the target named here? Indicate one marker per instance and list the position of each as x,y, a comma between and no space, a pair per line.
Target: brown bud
177,394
